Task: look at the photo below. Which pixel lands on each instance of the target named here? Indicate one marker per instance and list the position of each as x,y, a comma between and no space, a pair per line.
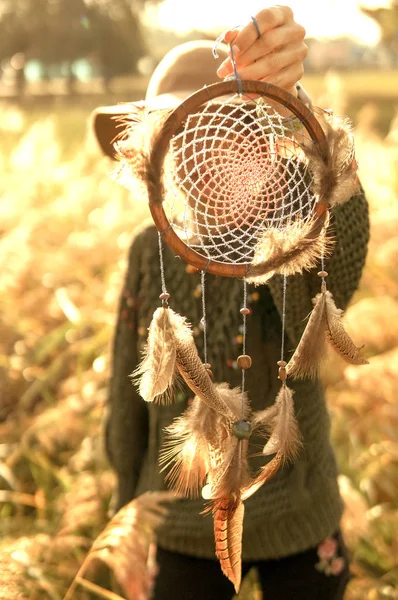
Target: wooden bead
207,365
322,273
245,311
164,297
244,361
241,429
281,363
282,373
191,269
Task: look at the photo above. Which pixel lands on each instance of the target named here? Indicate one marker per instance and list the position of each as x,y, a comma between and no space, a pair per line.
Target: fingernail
229,36
225,68
235,49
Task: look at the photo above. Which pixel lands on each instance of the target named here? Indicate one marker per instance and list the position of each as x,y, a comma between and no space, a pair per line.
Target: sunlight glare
330,18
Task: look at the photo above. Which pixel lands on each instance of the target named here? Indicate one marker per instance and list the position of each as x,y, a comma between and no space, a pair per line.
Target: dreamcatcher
240,178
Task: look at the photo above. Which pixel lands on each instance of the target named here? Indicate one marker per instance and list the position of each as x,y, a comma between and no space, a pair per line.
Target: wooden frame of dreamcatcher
171,126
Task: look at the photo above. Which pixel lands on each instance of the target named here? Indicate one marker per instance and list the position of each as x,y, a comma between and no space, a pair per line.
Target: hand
276,56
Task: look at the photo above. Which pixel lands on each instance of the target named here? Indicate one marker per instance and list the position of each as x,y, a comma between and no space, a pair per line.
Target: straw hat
184,70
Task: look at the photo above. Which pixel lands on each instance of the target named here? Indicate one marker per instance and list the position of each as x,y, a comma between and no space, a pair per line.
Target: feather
199,443
228,529
285,439
196,376
186,449
231,474
133,145
334,181
264,475
229,469
337,335
288,251
228,510
156,372
311,348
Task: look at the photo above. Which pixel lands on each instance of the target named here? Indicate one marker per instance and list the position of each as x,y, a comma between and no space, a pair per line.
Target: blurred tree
387,19
59,32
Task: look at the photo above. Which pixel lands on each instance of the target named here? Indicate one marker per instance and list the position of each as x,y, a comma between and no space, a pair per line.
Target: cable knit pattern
301,505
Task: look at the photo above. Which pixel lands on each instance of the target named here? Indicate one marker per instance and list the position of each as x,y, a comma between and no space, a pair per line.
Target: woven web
235,169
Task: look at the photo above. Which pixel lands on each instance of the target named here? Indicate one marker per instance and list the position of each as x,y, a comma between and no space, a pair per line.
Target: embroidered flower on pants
329,563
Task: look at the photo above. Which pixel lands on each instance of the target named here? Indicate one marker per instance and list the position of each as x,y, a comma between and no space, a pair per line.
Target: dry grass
65,229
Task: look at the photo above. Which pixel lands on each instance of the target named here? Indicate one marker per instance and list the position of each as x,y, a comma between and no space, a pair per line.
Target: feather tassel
197,378
311,348
285,439
186,451
133,145
228,530
200,443
337,335
230,474
336,180
325,324
265,474
156,372
288,251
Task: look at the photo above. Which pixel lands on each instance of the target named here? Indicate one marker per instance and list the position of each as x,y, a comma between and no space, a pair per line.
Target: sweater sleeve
126,433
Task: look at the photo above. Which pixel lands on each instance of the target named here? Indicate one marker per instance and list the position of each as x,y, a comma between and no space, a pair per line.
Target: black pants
293,578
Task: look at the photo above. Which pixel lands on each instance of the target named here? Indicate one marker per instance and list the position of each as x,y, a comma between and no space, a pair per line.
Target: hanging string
283,317
236,74
323,280
163,280
244,315
204,321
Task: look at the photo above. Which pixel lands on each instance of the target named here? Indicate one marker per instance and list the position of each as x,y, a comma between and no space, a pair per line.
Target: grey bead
242,429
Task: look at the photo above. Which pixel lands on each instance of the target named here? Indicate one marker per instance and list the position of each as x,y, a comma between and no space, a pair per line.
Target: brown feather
187,450
288,251
311,348
337,335
265,474
231,474
229,468
133,145
228,529
200,443
285,437
196,377
156,372
334,181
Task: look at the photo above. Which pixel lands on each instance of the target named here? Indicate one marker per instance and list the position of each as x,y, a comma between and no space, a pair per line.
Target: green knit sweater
301,505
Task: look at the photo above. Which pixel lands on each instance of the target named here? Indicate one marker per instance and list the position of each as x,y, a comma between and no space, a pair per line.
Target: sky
322,18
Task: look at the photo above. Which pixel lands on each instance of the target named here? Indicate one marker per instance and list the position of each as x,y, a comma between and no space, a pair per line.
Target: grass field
65,228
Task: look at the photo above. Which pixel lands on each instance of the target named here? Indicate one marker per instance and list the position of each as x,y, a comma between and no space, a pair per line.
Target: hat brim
108,123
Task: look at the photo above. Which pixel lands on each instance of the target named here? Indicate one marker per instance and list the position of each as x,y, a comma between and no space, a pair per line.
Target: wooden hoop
161,145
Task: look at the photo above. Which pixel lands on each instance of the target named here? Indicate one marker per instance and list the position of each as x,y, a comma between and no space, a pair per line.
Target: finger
279,37
267,19
285,36
287,78
271,63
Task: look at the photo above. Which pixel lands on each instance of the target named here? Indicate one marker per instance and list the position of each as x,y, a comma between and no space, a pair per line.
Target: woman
291,528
